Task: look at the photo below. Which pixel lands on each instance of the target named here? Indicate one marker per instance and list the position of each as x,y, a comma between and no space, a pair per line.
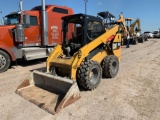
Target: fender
7,49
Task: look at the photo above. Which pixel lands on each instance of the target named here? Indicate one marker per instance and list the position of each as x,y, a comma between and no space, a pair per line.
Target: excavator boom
131,29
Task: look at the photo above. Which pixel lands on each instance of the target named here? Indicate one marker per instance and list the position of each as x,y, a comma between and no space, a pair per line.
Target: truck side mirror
26,20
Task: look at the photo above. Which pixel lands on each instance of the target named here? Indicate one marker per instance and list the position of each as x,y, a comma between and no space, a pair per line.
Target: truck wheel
4,61
89,75
142,40
135,41
110,66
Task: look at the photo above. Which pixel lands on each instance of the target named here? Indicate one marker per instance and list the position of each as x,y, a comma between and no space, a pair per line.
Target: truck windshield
12,19
155,32
146,32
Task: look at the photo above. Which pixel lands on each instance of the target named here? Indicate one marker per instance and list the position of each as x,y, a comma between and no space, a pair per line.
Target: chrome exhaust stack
44,24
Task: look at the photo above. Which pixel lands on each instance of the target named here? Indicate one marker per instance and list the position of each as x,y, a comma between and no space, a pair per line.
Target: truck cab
156,34
31,34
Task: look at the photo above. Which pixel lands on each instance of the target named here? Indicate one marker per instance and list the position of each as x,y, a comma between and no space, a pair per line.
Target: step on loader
85,55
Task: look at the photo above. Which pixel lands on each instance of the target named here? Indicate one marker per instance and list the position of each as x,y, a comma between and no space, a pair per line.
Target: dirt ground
134,94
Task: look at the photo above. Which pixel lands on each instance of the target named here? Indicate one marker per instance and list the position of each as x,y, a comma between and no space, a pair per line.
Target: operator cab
108,18
86,28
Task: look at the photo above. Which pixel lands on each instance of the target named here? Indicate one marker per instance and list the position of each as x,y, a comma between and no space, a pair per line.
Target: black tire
4,61
110,66
89,75
142,40
135,41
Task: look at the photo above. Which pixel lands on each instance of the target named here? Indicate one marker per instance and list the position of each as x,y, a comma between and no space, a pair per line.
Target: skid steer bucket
49,92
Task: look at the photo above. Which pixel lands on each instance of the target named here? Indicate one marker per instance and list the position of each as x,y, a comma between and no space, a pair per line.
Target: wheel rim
2,61
94,76
114,67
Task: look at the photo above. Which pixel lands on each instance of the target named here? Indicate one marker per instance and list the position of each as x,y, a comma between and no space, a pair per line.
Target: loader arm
123,21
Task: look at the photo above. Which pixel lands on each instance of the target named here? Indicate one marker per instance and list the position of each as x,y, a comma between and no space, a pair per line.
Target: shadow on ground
25,63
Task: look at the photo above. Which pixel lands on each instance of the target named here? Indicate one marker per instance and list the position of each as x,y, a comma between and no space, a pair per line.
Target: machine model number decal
116,45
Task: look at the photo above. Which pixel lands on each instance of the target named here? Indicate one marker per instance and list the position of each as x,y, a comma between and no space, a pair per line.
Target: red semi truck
31,34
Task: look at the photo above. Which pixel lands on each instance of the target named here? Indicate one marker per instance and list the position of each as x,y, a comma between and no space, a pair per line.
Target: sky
148,11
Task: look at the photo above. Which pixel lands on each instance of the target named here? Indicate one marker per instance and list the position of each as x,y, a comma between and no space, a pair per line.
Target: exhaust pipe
44,24
20,5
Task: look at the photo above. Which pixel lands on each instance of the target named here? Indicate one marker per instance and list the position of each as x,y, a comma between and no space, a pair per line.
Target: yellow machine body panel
117,52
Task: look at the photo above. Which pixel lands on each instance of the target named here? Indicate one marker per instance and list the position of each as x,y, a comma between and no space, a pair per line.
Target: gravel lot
134,94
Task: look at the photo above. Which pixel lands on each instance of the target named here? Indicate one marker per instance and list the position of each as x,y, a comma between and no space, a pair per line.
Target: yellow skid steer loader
85,55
